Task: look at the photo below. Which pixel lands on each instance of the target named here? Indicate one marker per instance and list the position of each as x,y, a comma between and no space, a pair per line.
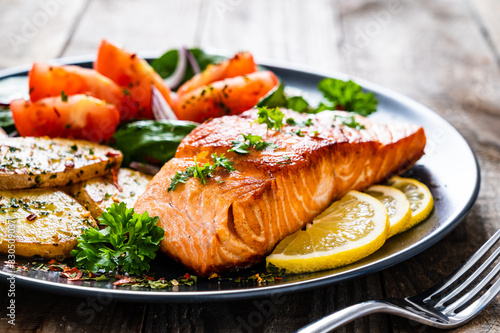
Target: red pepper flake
278,278
23,268
187,276
76,277
122,281
57,113
115,179
72,274
112,154
148,278
53,261
31,217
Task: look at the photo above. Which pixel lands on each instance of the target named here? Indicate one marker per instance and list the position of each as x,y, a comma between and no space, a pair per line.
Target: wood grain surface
444,54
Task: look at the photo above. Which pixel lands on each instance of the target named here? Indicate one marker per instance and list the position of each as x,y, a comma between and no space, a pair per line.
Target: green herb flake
349,121
64,97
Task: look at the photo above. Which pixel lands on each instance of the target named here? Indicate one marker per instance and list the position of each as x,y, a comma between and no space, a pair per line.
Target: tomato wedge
79,117
49,81
241,64
134,75
229,96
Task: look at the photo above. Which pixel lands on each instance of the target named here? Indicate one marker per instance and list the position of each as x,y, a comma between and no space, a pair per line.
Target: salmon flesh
237,218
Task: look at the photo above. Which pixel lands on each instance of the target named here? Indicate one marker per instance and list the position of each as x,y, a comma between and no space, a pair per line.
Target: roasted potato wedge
42,162
99,193
44,222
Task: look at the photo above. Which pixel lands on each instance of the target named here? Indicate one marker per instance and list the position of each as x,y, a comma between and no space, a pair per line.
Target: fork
446,305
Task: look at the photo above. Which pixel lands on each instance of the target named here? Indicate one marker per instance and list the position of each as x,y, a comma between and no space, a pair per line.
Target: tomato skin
80,117
134,75
229,96
241,64
48,81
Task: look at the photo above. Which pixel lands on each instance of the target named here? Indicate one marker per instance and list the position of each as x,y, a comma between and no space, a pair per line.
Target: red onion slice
192,61
174,80
146,168
160,107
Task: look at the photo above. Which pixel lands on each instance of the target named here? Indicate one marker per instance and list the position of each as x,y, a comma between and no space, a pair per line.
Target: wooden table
445,54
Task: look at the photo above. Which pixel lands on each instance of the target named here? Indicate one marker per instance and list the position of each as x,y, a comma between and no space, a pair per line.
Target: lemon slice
349,230
398,207
419,196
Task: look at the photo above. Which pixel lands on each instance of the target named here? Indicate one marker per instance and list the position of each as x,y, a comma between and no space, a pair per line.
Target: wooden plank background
444,54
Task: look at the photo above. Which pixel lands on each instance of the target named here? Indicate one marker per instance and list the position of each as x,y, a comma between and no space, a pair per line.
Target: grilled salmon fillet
237,218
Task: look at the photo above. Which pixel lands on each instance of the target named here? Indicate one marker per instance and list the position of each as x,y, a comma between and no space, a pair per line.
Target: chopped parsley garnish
74,147
349,121
127,244
273,118
126,92
64,97
201,172
251,141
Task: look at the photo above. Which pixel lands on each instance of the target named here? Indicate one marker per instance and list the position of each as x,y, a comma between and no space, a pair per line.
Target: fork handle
347,315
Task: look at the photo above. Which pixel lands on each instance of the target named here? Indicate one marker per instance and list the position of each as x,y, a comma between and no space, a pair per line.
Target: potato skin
43,162
99,193
43,222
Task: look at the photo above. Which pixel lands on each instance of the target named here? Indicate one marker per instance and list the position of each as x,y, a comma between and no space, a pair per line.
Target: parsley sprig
251,141
338,95
349,121
273,117
346,95
201,172
127,244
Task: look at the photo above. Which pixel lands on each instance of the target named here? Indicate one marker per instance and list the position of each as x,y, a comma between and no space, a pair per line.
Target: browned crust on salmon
237,218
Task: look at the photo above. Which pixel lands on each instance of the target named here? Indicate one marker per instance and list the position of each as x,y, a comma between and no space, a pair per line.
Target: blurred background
444,54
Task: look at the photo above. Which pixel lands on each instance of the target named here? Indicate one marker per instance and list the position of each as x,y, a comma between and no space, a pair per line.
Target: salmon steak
238,217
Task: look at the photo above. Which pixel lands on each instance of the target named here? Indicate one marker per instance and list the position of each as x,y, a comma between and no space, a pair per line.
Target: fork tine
468,264
470,279
474,291
472,310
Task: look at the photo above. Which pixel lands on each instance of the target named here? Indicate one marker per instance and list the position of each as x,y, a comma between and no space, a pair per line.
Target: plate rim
265,290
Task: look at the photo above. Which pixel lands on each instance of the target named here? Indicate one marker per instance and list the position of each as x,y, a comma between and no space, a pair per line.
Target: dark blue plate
449,168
